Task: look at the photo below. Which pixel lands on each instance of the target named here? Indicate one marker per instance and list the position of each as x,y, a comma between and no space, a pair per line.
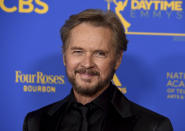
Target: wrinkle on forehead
103,35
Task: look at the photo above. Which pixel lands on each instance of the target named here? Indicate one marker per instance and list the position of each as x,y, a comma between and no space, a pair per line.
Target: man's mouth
87,73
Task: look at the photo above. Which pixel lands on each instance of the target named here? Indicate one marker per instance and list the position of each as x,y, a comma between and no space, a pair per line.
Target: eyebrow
76,48
99,50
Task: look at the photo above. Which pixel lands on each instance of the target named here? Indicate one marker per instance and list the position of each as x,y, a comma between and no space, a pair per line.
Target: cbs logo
25,6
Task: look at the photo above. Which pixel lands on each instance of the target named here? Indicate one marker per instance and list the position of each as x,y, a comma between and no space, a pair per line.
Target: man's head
93,43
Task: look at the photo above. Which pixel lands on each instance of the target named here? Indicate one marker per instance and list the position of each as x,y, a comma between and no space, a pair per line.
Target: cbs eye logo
25,6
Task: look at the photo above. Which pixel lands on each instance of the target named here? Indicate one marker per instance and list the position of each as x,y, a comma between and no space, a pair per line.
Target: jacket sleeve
164,125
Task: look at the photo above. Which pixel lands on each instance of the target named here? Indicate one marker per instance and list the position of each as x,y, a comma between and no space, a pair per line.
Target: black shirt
97,112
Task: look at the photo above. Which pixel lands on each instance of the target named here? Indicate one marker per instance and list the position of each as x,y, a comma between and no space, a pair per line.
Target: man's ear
118,60
64,60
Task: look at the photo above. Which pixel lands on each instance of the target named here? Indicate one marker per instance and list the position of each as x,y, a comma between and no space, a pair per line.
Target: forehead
86,34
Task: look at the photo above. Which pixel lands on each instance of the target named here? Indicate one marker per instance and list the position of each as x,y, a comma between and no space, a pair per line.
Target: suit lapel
120,117
52,120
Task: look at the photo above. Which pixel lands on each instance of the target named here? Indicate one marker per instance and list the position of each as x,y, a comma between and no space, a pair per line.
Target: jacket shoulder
35,119
142,119
148,119
144,112
48,109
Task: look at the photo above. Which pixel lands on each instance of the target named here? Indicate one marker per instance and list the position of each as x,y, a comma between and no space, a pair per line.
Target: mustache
87,71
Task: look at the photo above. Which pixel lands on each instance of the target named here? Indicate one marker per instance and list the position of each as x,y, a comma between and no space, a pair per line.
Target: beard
90,90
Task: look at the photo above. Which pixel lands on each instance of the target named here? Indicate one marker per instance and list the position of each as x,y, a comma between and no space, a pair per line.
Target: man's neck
87,99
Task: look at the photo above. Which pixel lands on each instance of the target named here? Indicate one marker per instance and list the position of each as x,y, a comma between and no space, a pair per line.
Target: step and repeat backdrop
32,73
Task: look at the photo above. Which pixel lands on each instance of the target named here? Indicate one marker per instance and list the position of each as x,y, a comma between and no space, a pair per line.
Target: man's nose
88,61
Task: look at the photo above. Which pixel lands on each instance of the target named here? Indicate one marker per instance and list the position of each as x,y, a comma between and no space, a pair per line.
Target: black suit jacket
127,116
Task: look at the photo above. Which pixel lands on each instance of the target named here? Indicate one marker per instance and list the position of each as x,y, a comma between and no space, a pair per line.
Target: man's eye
77,52
100,54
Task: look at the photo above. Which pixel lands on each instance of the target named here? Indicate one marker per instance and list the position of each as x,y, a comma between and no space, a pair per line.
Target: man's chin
89,89
87,86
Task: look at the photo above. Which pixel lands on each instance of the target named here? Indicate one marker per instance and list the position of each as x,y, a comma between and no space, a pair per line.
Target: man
93,45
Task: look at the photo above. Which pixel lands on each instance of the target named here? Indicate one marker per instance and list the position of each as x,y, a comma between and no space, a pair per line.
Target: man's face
90,58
